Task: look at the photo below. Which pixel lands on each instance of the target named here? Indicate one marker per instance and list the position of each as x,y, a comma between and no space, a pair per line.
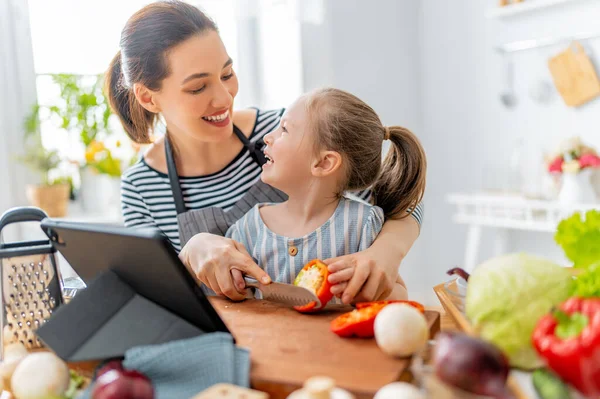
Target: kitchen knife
288,294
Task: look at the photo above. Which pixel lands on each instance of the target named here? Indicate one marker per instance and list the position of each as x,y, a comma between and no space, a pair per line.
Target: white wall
467,132
373,52
430,65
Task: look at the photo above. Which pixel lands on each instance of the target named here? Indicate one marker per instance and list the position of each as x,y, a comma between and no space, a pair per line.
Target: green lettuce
580,238
506,297
587,284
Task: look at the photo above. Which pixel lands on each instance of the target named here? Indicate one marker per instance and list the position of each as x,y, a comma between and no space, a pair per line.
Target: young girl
329,143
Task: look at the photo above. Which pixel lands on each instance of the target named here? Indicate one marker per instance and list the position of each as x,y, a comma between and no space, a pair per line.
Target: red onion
471,364
123,384
110,365
460,272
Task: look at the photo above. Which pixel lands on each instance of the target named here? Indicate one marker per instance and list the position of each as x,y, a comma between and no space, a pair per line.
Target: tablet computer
144,259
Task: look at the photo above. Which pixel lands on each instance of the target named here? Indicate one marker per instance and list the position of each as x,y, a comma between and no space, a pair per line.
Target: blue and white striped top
352,228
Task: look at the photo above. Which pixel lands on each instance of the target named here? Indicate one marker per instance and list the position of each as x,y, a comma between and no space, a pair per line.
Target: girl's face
290,150
196,99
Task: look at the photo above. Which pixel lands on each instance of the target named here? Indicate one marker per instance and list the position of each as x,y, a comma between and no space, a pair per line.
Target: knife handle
251,282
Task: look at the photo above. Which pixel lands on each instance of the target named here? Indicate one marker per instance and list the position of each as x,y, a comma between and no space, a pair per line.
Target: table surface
300,346
280,388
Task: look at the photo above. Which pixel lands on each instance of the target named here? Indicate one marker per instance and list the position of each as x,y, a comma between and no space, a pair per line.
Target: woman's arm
393,243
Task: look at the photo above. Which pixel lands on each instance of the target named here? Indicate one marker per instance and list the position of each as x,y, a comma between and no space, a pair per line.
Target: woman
204,174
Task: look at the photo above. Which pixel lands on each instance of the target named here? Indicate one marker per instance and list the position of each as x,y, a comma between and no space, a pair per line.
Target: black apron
215,220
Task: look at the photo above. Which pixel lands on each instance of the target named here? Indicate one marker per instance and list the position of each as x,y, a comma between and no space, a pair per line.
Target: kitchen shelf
505,213
512,212
525,7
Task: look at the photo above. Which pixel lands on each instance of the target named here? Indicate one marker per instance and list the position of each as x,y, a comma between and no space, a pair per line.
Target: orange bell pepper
314,276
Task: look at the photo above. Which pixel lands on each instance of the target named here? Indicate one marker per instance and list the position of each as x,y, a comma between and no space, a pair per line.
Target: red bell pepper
314,276
414,304
568,340
361,321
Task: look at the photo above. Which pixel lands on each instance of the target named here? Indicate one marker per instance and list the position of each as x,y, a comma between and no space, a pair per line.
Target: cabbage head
506,297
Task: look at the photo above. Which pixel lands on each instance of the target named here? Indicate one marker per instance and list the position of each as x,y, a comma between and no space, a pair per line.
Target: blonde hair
344,123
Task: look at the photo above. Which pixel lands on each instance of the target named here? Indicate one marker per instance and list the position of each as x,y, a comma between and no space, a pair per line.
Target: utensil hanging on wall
574,75
508,97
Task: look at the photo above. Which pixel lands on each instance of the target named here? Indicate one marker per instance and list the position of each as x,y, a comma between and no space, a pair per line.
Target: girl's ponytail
401,183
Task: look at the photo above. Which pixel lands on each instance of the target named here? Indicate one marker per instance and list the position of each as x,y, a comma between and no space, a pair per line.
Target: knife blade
287,294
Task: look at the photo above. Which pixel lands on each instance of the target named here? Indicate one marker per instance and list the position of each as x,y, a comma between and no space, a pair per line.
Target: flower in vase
572,157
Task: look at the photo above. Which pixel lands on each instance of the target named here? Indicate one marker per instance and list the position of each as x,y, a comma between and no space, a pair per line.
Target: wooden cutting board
287,347
574,75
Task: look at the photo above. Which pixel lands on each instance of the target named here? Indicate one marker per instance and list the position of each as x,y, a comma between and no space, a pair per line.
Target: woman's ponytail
401,183
136,120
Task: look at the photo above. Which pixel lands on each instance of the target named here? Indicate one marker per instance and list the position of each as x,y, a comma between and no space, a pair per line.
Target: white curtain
270,48
17,94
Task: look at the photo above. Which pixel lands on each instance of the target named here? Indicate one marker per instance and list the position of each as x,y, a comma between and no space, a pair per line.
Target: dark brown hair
145,39
344,123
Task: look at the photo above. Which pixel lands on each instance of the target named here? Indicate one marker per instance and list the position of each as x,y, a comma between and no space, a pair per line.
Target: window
79,37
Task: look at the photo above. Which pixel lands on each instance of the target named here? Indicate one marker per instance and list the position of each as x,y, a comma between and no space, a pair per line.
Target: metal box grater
31,282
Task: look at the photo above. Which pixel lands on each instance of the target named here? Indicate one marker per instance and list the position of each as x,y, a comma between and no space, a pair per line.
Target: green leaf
580,238
587,284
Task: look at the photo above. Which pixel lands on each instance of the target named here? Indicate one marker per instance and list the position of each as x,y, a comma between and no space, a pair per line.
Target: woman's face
196,99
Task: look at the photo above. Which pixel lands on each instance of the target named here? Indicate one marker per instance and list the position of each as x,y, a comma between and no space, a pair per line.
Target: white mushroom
400,330
399,390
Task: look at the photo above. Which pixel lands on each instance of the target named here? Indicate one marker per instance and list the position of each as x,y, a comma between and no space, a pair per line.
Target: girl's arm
375,269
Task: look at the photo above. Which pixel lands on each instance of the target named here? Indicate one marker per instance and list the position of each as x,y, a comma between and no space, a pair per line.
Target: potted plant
50,194
575,162
84,112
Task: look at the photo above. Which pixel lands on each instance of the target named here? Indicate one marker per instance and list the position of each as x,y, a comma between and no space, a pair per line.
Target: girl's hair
345,124
145,40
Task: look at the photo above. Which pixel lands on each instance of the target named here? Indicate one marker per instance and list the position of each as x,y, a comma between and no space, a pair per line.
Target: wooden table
287,347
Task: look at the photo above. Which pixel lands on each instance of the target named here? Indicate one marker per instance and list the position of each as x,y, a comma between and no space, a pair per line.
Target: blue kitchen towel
182,369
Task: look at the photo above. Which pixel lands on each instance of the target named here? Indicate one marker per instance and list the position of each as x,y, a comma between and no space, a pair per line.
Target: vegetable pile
507,295
543,316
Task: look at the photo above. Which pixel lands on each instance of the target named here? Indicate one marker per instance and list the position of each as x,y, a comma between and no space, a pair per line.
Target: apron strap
174,178
255,150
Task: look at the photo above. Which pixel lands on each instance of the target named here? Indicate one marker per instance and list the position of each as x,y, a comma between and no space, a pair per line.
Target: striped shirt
352,228
147,198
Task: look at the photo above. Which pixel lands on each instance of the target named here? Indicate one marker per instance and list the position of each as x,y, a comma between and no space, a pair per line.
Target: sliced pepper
414,304
568,339
361,321
314,276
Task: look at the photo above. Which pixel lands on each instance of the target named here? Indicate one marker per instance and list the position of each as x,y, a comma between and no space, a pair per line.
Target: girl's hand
358,279
220,263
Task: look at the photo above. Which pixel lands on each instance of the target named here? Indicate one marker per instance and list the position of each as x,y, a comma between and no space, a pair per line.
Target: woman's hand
220,263
357,278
